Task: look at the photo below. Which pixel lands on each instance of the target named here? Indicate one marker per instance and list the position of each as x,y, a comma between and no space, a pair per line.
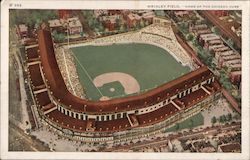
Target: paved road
15,111
19,141
155,143
164,140
20,106
14,95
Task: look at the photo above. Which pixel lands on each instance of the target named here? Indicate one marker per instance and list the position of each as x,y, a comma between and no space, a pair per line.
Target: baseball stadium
117,87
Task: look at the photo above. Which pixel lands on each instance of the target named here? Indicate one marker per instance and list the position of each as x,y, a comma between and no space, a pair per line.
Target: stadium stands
70,112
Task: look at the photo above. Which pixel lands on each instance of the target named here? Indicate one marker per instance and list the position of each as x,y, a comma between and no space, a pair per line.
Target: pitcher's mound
112,89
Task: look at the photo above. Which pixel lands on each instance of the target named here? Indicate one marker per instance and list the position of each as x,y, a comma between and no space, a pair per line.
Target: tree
213,66
38,23
88,14
59,37
225,81
194,18
31,17
91,23
216,30
209,60
117,23
122,28
142,23
101,28
125,25
13,18
221,119
184,27
195,42
228,85
213,120
82,34
224,118
229,117
136,26
205,57
95,23
190,37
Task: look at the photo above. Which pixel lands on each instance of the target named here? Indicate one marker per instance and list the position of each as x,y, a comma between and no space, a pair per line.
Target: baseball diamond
141,67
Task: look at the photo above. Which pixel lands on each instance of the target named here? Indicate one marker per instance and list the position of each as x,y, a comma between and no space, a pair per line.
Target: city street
19,141
189,135
17,93
18,116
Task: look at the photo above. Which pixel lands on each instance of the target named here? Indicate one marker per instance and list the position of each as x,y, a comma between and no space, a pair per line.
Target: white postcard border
161,5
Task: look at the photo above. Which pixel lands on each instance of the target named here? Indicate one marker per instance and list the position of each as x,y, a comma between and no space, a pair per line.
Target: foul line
67,70
83,68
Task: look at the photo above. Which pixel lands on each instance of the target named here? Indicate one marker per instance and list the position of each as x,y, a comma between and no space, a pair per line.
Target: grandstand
87,120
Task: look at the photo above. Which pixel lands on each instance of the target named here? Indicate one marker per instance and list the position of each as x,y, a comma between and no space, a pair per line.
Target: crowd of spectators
69,75
154,34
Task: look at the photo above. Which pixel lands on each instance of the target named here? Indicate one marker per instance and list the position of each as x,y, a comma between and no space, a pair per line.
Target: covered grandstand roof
61,93
57,88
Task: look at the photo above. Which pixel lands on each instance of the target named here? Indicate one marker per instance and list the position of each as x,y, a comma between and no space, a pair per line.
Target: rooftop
55,23
232,147
23,28
74,22
35,75
112,18
209,36
133,16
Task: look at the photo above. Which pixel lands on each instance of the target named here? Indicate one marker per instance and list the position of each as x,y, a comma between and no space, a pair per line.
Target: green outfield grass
150,65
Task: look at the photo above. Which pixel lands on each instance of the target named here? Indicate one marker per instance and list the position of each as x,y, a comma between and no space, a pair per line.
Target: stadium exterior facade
117,119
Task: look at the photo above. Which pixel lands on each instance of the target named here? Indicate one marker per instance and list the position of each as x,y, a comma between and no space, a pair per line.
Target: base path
128,82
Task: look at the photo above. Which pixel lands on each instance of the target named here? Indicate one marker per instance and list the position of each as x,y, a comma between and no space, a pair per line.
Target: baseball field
121,70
